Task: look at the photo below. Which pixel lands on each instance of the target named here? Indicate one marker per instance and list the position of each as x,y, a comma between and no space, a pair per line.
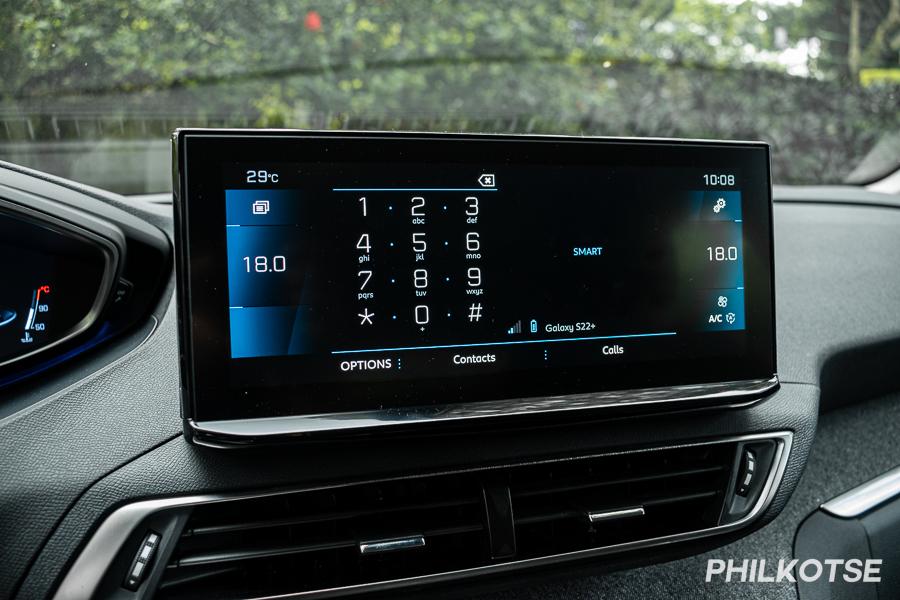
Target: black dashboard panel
111,435
460,269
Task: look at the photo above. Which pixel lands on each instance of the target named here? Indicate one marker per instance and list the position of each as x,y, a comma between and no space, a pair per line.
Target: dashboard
150,416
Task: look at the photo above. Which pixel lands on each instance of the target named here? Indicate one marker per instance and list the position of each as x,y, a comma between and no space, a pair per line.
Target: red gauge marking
45,289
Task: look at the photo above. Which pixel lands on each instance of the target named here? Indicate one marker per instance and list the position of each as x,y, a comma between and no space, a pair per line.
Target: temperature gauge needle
29,322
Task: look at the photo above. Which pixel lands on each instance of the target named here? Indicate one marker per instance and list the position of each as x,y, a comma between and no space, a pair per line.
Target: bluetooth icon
475,312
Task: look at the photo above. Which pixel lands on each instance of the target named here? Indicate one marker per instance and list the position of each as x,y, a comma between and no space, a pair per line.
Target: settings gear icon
719,205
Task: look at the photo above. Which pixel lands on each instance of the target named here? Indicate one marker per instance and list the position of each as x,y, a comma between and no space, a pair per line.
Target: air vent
328,538
368,533
575,505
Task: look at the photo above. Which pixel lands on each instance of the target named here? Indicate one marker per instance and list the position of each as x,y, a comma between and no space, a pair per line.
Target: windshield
91,90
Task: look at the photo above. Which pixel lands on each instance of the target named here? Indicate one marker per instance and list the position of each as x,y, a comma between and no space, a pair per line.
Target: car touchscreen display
326,273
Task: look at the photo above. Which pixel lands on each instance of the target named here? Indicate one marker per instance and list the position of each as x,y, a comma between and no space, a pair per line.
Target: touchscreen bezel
214,415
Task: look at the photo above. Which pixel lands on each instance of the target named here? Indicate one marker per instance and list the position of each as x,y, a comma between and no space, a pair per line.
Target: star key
366,317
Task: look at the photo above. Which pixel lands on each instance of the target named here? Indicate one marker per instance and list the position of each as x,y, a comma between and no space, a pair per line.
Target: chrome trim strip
865,497
406,543
610,515
243,431
86,573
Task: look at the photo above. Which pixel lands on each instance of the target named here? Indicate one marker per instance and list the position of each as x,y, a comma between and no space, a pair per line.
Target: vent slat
619,481
176,577
581,514
322,517
248,554
681,498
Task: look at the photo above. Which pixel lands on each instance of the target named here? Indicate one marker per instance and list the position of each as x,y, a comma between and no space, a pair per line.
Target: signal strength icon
517,328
